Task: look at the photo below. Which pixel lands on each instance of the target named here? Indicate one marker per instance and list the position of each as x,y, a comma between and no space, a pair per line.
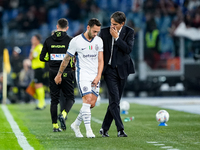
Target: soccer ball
162,116
124,105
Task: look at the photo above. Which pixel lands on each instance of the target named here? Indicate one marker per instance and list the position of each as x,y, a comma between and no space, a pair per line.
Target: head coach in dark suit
118,41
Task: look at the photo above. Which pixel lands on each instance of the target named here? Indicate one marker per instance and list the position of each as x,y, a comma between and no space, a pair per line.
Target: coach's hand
58,79
114,32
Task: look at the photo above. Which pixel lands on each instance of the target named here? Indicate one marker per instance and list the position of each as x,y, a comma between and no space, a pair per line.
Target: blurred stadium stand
21,19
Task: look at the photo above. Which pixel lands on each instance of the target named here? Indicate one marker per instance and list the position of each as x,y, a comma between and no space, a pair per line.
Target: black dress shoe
103,133
122,134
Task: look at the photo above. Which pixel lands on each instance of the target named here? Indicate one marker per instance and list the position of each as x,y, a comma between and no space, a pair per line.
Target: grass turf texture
182,132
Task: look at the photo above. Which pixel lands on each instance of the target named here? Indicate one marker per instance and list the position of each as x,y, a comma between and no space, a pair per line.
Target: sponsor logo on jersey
57,56
83,48
96,47
85,88
58,34
65,75
57,46
88,55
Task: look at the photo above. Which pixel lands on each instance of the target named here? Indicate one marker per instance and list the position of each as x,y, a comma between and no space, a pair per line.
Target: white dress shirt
109,62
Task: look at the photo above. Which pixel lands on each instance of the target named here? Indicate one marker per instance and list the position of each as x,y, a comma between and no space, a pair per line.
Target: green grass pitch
182,132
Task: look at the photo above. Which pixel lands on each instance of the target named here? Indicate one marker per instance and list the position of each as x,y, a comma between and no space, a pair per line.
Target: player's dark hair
119,17
39,37
93,22
62,23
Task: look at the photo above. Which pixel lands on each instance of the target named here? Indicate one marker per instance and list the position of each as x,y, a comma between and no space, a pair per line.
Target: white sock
86,115
79,119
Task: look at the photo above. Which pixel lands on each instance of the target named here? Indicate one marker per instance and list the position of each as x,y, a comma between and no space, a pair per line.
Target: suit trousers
115,87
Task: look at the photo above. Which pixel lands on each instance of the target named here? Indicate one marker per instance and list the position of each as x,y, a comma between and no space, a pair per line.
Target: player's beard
90,35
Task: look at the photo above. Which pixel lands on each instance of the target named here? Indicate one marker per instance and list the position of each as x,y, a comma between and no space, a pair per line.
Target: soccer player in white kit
88,49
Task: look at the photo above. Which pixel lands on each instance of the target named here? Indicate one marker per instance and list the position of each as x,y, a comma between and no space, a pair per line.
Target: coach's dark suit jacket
123,47
116,74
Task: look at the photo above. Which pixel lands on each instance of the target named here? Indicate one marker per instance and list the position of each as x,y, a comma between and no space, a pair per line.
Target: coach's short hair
93,22
119,17
62,23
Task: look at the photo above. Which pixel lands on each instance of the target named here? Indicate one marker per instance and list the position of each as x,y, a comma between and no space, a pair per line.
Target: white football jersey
86,56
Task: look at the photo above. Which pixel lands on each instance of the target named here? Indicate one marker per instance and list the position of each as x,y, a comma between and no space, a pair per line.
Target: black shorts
38,75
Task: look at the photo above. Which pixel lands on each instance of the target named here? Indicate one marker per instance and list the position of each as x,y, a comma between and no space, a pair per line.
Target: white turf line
20,136
164,147
96,120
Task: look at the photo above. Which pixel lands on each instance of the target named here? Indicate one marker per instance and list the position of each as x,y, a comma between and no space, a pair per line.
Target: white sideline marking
96,120
164,147
152,142
20,136
158,144
167,147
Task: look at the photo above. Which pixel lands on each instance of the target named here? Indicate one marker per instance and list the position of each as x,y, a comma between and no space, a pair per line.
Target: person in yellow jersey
38,67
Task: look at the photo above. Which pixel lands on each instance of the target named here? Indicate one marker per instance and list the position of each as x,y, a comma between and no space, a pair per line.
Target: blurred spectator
30,21
137,5
49,4
114,5
152,53
85,8
163,22
28,3
167,7
125,5
149,6
16,61
33,9
196,20
136,16
13,4
75,10
96,12
16,23
63,9
25,77
193,4
134,52
188,20
41,15
175,23
131,24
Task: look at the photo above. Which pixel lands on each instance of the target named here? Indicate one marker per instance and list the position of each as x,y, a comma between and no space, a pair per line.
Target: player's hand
95,82
113,32
58,79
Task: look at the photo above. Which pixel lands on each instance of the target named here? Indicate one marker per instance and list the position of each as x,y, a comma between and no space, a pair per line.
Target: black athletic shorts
38,75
